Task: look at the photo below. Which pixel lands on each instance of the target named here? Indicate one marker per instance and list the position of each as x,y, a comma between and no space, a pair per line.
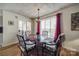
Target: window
53,25
42,27
49,25
28,26
22,25
28,29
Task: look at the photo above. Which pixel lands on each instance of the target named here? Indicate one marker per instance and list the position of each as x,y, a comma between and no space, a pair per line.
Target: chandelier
38,26
38,22
38,14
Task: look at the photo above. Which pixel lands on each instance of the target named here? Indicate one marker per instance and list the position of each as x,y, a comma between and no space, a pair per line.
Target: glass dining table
41,44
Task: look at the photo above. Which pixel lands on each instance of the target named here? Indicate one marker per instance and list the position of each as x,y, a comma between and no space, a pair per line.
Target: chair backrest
32,37
60,38
28,33
25,35
21,41
45,33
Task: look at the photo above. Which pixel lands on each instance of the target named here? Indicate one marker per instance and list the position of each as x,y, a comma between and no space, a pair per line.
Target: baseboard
6,47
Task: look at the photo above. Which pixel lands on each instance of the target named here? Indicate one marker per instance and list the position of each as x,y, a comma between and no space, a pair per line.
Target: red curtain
38,26
58,31
58,28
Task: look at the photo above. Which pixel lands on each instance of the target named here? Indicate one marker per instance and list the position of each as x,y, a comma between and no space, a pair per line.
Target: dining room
39,29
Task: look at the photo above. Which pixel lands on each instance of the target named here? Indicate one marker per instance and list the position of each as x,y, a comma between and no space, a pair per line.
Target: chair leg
22,53
55,53
27,54
42,51
37,52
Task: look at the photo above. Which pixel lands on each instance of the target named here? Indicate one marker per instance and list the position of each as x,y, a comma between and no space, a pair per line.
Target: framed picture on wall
1,29
75,21
10,22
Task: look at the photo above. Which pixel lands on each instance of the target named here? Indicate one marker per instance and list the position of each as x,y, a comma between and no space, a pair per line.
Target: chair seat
29,42
51,47
51,43
28,47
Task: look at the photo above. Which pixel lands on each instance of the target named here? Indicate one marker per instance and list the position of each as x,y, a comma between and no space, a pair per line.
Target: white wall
1,24
66,19
10,31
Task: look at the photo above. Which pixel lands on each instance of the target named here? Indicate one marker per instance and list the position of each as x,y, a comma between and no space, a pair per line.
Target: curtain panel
58,28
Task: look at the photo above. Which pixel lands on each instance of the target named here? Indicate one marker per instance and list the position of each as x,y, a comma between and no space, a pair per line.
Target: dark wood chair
25,46
51,48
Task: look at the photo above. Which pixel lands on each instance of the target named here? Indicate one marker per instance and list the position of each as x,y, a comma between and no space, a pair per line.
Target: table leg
37,51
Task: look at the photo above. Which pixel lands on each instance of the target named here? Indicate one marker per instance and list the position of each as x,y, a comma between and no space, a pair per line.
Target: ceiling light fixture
38,14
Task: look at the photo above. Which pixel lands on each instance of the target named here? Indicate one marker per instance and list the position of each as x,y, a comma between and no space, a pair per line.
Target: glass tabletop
46,40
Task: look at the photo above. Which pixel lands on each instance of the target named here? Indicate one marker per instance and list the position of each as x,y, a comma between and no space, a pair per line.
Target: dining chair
25,46
52,47
45,34
28,33
32,37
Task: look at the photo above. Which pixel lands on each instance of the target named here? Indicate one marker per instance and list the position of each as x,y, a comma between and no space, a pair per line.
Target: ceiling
30,9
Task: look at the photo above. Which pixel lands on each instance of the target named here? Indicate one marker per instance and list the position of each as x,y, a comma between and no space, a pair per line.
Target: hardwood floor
67,52
14,51
10,51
